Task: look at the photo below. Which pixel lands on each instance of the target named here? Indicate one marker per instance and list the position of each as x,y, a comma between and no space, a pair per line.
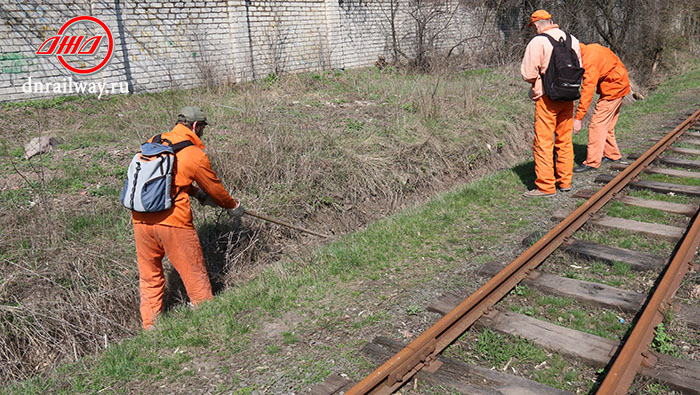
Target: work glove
204,199
236,212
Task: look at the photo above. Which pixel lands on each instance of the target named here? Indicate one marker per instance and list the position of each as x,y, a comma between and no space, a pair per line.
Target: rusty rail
634,353
423,350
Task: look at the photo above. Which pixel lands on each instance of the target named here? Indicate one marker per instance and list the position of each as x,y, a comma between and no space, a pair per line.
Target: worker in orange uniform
553,118
171,231
606,74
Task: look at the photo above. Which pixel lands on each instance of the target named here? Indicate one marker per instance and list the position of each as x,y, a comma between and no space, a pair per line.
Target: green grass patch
94,139
653,388
499,349
646,194
683,155
57,102
663,342
110,225
643,214
683,144
522,290
625,239
621,268
289,338
570,313
659,102
503,352
670,179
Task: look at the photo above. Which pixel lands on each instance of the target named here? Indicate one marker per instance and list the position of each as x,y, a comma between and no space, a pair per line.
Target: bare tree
391,16
432,18
429,20
639,31
276,40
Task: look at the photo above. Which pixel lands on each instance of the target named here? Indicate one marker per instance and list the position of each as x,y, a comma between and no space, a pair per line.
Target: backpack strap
158,139
568,41
182,144
551,39
177,147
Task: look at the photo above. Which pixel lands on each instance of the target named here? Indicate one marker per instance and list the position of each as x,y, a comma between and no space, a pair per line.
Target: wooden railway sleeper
648,359
490,313
533,274
433,365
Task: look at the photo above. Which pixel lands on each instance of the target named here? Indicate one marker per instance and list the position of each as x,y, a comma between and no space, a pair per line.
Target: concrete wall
179,44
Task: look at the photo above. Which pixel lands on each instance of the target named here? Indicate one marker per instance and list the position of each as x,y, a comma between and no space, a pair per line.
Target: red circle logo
62,45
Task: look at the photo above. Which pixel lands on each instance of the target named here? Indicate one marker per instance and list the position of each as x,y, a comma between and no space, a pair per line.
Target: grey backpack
149,179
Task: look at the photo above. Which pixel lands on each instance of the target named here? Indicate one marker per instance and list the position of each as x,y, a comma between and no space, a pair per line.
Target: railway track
621,361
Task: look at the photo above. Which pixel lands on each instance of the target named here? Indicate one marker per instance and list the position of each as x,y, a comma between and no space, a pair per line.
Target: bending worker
171,231
553,118
604,71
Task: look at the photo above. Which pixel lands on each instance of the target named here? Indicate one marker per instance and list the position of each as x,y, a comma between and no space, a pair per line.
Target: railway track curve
623,361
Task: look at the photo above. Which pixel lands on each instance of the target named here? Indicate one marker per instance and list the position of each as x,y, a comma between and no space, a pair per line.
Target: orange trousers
185,253
554,122
601,132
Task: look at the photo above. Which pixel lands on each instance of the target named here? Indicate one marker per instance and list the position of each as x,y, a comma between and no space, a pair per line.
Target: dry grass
329,151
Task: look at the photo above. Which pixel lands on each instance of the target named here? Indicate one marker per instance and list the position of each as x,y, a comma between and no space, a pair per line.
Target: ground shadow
526,173
526,170
219,240
580,151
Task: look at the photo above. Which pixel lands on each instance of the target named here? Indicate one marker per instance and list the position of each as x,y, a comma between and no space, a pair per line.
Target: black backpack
562,80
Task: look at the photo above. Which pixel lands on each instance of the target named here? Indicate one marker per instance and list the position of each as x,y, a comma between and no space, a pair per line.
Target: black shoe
563,189
620,161
583,168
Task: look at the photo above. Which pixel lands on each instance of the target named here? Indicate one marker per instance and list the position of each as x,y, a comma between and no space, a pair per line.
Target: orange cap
538,16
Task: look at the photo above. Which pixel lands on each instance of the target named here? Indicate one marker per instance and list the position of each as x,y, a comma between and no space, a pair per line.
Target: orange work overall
554,122
606,74
601,132
185,253
171,232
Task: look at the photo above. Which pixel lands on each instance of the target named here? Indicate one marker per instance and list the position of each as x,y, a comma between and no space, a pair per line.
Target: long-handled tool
278,222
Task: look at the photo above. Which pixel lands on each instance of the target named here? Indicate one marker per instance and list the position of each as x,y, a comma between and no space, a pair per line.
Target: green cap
192,113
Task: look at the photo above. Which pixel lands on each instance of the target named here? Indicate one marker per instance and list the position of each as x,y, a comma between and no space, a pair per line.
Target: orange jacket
537,56
191,164
605,71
